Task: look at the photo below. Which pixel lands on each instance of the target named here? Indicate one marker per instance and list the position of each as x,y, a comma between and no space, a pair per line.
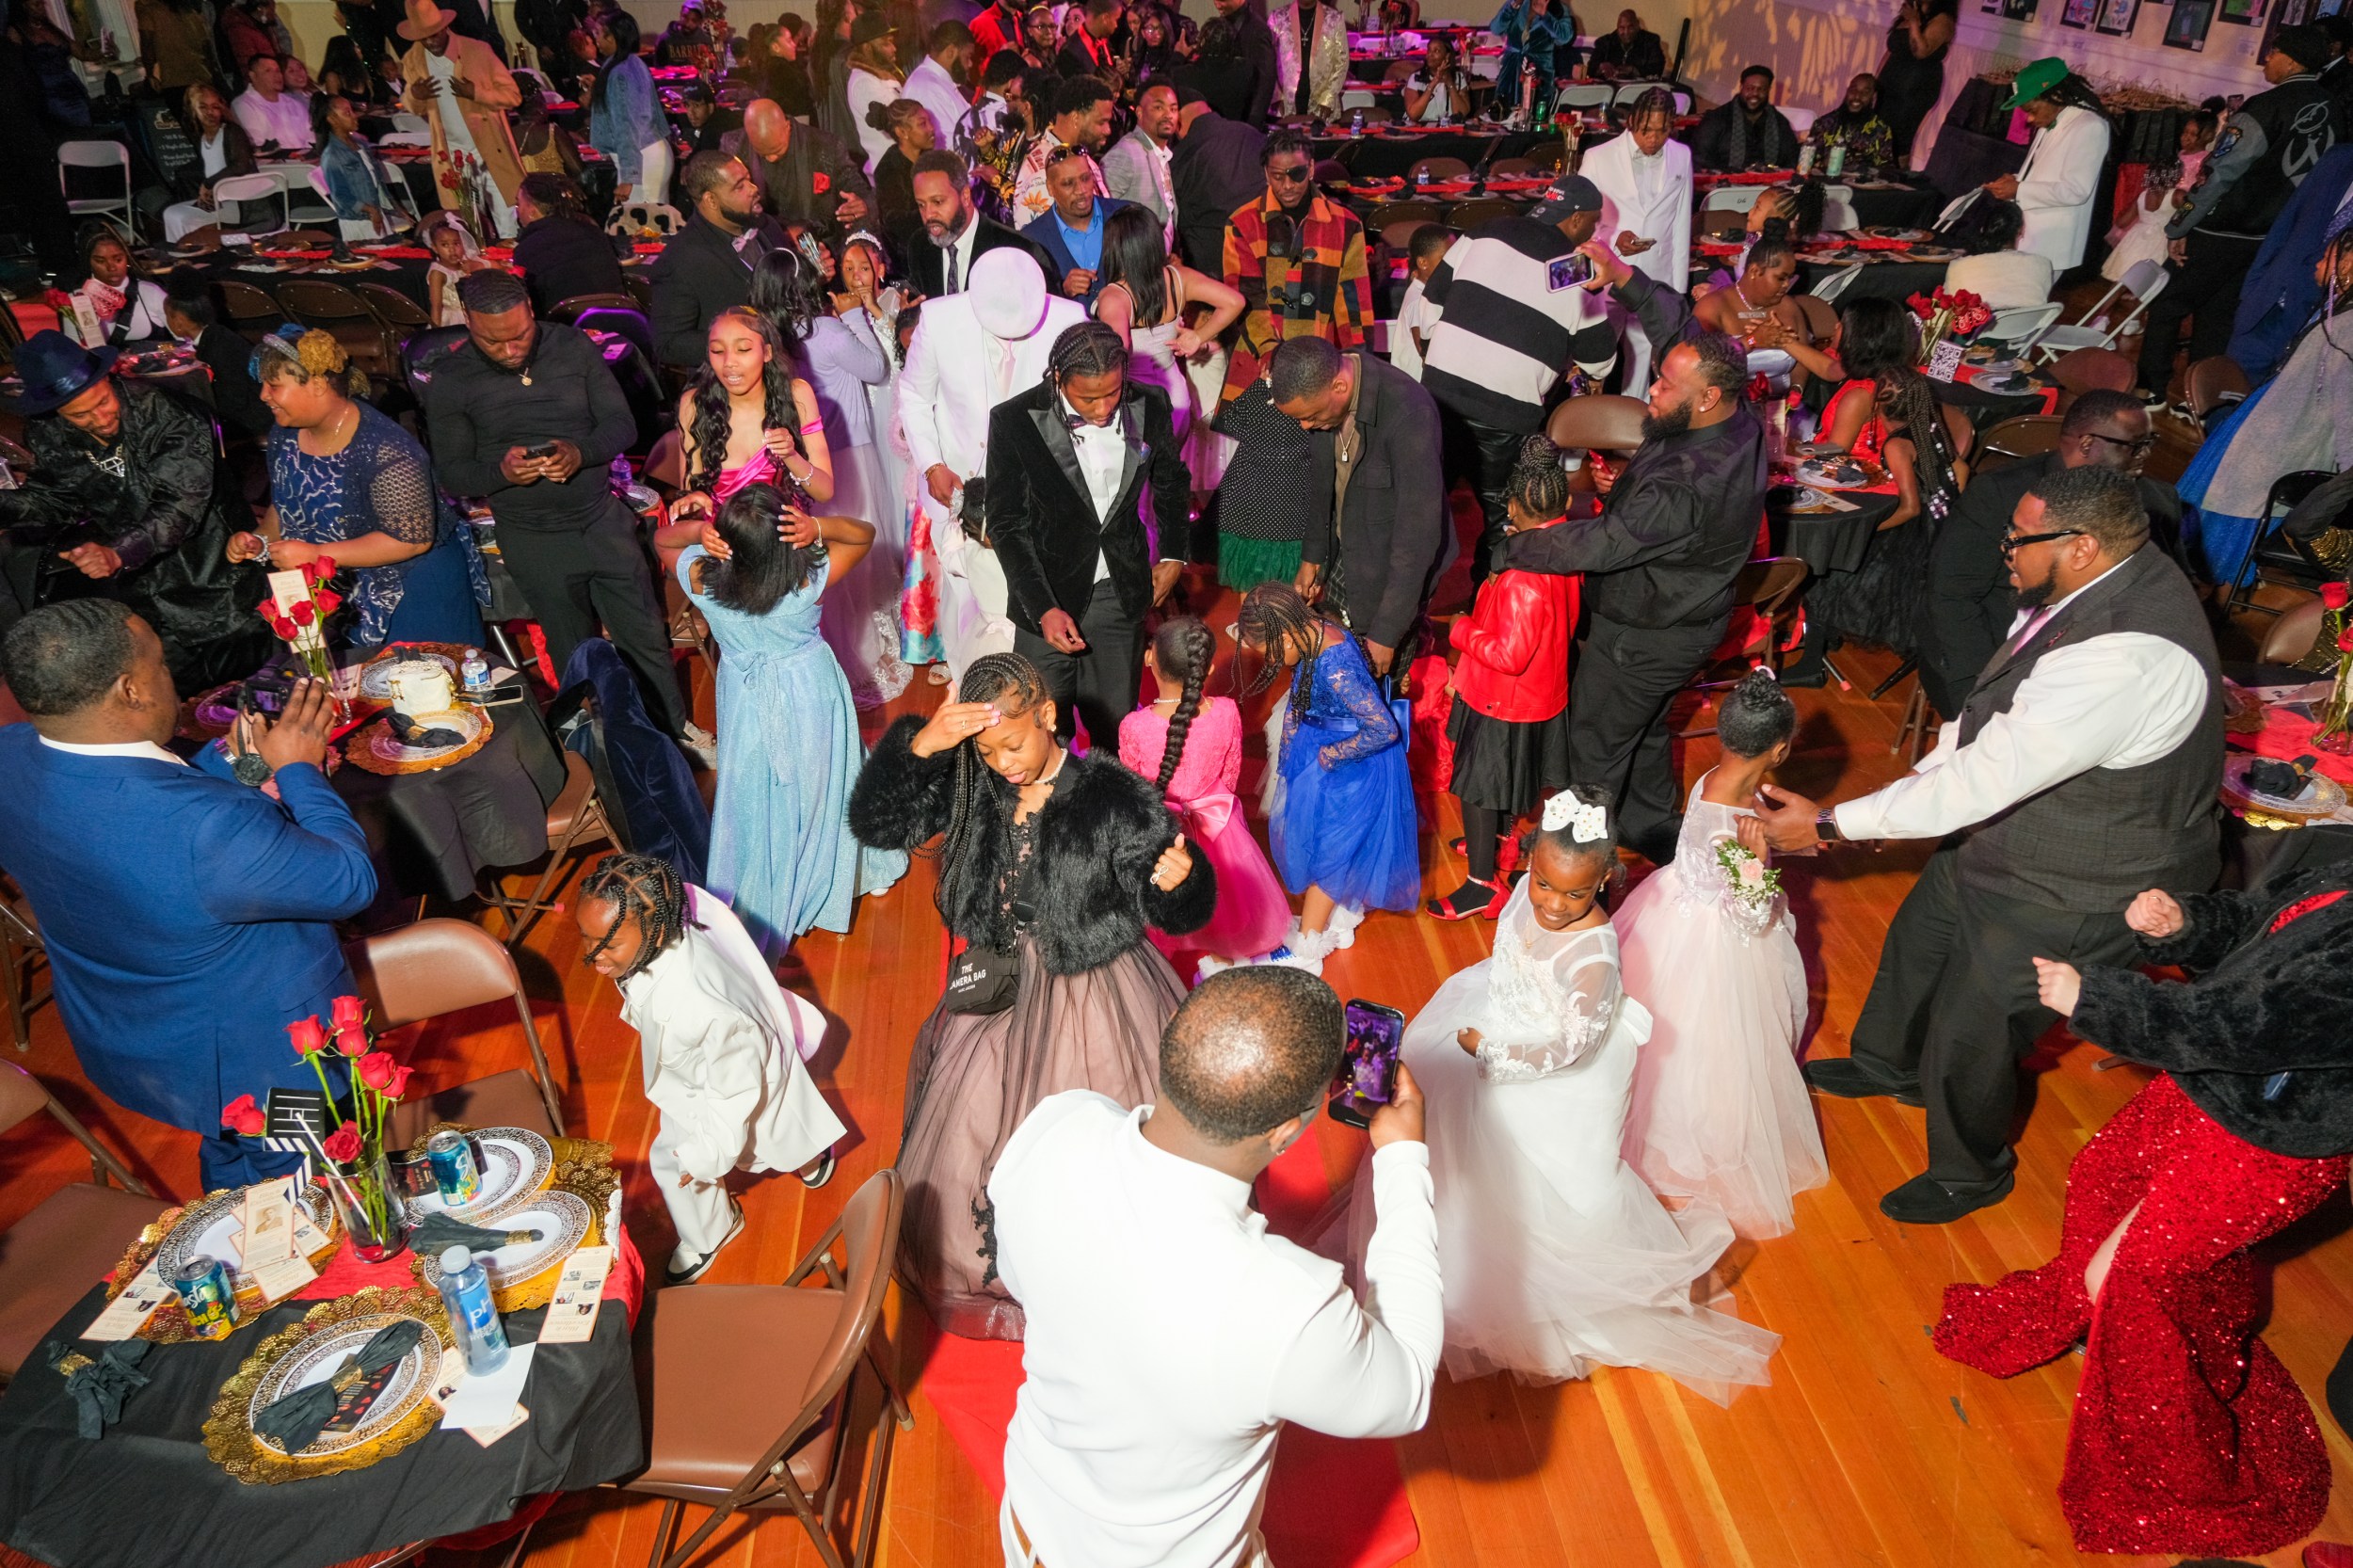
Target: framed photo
2079,13
2117,17
2018,11
2188,26
2244,13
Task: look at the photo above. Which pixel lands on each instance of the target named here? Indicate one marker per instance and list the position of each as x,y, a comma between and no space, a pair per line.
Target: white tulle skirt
1721,1112
1555,1256
861,611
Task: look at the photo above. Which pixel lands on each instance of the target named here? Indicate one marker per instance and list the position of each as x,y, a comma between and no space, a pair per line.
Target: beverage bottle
1805,160
1837,160
1421,176
474,1318
475,672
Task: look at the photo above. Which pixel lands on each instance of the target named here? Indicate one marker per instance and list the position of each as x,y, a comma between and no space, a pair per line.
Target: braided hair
1087,348
1909,403
1537,481
1184,648
646,889
1014,685
1273,616
715,420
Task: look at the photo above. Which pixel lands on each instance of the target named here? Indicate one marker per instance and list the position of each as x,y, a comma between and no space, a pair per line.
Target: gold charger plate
2325,798
169,1323
372,748
523,1275
229,1436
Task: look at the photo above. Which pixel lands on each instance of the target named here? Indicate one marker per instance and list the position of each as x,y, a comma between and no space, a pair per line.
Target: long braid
1185,649
1273,616
988,678
644,888
1912,403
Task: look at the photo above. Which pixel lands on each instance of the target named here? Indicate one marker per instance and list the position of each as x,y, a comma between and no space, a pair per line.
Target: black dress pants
576,579
1485,455
1618,737
1099,685
1954,1009
2206,285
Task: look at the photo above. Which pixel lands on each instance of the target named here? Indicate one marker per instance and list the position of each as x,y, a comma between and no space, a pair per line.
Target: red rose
304,612
328,601
324,567
397,1085
2335,595
342,1145
350,1012
242,1116
376,1068
352,1041
2345,640
820,182
308,1037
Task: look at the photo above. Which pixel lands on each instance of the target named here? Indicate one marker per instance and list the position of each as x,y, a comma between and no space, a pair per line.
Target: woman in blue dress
346,482
781,852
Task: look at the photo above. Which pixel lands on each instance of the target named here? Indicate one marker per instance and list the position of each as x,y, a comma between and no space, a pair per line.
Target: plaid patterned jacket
1323,287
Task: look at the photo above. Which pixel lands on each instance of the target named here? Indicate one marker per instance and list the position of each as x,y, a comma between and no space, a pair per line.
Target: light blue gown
781,852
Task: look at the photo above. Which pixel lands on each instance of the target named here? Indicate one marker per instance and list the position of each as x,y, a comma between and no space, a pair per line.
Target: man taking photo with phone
1169,1336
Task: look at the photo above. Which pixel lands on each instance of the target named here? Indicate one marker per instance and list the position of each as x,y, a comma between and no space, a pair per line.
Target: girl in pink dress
747,420
1191,746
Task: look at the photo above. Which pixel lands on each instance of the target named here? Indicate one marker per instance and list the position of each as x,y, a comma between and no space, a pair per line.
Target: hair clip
1585,822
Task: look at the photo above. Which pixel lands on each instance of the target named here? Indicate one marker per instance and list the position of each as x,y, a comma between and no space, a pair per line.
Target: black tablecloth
1985,408
1377,157
1827,541
1880,279
437,832
1916,206
147,1496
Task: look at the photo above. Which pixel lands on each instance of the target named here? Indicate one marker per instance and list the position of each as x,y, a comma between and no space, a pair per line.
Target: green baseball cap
2036,78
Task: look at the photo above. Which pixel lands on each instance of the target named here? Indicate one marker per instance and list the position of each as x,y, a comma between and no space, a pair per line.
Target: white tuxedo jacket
1665,217
2058,185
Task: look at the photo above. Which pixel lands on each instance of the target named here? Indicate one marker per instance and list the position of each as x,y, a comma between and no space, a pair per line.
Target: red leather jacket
1515,647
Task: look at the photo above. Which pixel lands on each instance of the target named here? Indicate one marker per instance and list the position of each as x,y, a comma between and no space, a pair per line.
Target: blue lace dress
381,483
781,852
1346,820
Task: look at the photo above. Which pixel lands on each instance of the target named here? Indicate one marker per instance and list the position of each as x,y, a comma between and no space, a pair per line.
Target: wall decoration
2189,22
2079,13
2117,16
2244,13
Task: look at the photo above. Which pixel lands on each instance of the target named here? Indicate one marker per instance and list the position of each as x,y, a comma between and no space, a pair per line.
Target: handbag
982,979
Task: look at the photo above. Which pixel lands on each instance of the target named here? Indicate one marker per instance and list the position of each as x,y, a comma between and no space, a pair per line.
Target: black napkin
405,730
99,1388
296,1419
2279,780
438,1231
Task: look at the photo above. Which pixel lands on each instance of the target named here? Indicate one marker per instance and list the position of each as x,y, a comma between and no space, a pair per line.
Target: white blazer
1666,218
956,371
722,1046
2058,185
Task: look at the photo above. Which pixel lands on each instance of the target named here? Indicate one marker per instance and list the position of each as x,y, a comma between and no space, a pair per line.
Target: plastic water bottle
475,673
1356,123
1421,176
473,1316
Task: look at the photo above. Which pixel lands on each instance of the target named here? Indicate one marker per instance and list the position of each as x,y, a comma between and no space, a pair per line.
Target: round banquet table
1826,541
1393,149
146,1494
1880,279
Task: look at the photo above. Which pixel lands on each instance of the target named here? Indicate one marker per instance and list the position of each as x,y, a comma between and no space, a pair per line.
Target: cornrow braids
1911,402
1537,481
1184,648
1014,685
1087,348
715,420
1273,616
646,889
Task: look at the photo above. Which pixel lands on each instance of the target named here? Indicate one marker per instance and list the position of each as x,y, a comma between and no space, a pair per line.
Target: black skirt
1506,765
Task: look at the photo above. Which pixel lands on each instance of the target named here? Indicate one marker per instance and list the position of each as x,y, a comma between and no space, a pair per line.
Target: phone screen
1567,272
1367,1073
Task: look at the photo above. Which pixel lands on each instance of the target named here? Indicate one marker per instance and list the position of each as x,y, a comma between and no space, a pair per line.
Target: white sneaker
1309,959
701,745
1211,964
1342,930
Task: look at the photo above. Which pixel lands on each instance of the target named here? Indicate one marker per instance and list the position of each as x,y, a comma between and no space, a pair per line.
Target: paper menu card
127,1313
579,1292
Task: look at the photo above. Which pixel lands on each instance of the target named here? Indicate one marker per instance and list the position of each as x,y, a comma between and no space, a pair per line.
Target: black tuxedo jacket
927,265
1041,521
699,274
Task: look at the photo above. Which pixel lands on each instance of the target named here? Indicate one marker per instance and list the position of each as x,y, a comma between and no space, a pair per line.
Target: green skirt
1244,564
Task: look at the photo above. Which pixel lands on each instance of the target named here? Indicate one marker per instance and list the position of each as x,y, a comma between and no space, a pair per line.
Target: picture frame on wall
2189,23
2018,11
2079,13
2115,17
2244,13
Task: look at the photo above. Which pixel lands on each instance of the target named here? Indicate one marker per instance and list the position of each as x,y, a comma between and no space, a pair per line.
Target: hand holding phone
1369,1067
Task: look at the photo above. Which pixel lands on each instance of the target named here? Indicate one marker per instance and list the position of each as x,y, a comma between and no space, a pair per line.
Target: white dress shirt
863,90
960,253
213,149
930,85
2119,700
285,122
1170,1337
455,132
147,749
1102,454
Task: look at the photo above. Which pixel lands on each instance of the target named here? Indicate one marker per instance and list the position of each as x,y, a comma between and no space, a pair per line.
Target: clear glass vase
370,1206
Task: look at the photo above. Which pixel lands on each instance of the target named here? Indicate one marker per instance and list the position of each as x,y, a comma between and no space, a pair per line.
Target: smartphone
1367,1074
545,449
1568,272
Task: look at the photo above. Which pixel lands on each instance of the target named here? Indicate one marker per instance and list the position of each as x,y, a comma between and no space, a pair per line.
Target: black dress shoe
1850,1079
1926,1201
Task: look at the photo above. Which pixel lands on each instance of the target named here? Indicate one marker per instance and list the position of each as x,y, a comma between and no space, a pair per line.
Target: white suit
2058,185
956,371
722,1046
1652,199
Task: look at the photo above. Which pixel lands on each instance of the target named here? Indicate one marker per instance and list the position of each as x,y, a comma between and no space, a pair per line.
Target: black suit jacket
1395,534
928,268
1214,170
1041,521
698,275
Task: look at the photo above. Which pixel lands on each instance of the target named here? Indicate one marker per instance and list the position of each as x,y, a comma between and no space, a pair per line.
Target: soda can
207,1297
412,1175
454,1170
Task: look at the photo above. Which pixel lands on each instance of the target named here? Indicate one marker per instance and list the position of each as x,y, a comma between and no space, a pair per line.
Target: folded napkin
99,1388
295,1420
2278,780
440,1231
409,734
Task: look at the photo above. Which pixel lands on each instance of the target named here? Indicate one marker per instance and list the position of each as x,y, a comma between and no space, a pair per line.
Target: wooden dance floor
1867,1449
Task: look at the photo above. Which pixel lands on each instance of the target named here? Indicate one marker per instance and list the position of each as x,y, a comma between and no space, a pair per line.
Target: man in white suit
1644,177
2060,179
970,352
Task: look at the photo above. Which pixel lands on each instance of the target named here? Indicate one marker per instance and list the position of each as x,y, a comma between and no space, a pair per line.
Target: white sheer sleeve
1545,1012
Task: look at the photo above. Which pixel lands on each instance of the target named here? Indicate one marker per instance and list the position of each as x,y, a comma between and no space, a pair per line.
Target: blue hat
56,370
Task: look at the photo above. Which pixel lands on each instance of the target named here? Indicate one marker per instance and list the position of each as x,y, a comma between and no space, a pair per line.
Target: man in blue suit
186,914
2281,294
1071,231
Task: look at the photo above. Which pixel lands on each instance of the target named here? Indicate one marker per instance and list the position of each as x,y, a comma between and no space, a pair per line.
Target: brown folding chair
576,822
2214,382
567,310
1467,216
441,966
2084,370
1597,423
1511,169
21,948
50,1258
334,308
399,315
755,1387
2009,439
253,313
1388,215
1437,169
1769,586
2296,633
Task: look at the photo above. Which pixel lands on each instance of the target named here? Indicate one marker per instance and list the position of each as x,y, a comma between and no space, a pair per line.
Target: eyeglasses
2142,446
1293,174
1064,154
2013,543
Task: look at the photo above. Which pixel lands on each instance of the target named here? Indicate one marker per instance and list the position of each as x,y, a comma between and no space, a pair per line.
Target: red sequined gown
2188,1435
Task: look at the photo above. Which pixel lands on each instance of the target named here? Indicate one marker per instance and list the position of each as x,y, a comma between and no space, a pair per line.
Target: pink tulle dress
1253,913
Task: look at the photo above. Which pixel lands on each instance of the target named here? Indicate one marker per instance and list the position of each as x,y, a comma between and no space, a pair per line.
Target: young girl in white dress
1555,1256
1721,1112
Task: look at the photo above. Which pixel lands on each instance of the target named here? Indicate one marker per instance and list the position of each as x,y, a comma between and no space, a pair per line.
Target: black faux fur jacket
2260,1039
1097,840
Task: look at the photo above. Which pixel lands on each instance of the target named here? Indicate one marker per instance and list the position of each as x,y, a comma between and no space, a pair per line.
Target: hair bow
1585,822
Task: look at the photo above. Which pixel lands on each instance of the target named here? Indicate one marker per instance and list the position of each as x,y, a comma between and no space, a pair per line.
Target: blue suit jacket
186,916
2279,296
1044,232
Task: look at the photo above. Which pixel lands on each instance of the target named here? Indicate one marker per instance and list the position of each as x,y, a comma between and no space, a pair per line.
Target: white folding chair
1729,199
2144,280
1585,95
97,154
1837,282
1838,213
2022,326
411,125
1801,120
243,188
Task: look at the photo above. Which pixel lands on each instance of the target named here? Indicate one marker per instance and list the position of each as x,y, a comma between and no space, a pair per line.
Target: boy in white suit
722,1045
1644,177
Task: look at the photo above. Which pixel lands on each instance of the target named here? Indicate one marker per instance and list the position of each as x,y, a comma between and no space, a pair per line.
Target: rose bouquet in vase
300,622
2334,732
357,1175
1949,321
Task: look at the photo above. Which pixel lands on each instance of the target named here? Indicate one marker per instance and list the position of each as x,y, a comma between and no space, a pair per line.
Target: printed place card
579,1293
128,1312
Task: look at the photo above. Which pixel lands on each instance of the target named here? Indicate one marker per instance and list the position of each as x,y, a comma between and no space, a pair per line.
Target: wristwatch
1826,825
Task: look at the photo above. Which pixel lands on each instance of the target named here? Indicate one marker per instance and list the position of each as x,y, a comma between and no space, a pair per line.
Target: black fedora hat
56,370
